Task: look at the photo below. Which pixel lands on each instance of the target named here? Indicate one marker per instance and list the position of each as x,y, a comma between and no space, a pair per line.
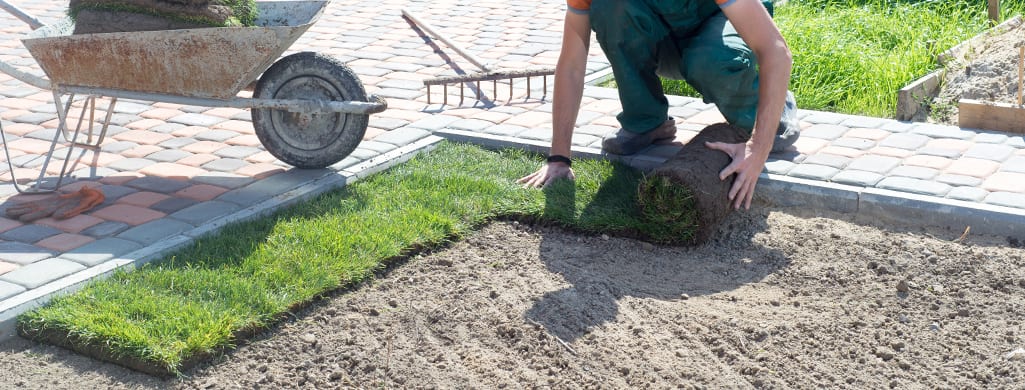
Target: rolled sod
103,16
685,194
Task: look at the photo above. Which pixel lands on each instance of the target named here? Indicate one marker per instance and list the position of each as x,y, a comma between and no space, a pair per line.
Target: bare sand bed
776,300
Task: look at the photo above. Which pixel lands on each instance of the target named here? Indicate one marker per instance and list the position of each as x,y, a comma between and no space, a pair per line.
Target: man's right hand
547,174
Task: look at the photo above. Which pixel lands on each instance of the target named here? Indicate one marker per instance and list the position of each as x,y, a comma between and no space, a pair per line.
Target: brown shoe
625,142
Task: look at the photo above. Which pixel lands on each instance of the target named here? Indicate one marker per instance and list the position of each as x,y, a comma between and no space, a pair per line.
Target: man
729,50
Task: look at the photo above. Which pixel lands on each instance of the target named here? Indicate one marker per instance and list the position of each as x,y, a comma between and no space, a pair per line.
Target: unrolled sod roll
685,194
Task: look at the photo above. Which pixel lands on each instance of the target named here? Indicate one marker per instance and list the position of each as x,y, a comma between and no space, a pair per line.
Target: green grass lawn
853,56
248,276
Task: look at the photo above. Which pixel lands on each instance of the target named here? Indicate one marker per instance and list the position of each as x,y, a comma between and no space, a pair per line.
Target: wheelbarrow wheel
305,139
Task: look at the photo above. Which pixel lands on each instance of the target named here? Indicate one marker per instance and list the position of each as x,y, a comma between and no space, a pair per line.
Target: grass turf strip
174,312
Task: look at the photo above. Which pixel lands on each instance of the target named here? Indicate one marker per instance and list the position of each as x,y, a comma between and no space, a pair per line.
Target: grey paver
959,180
904,141
8,289
399,93
237,151
224,179
914,186
992,152
971,194
42,272
434,122
375,146
505,130
29,233
470,124
1008,199
386,123
857,178
216,135
779,167
943,131
829,160
225,164
117,146
854,143
22,253
915,172
167,128
168,155
114,192
402,136
990,138
105,229
171,205
100,251
93,172
1014,164
202,212
940,152
130,164
192,119
873,163
157,184
813,171
827,118
825,131
153,231
271,186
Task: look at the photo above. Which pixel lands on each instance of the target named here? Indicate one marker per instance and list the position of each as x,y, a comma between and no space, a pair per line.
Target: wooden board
978,114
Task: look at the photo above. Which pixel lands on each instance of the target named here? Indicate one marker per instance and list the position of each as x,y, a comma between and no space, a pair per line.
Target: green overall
684,40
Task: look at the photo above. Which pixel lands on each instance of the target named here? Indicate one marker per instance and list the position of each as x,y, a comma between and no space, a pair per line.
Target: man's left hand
747,164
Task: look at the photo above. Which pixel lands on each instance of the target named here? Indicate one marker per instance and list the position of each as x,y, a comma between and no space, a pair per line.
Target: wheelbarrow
309,110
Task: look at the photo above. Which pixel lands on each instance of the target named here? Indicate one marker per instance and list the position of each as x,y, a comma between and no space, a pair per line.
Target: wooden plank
977,114
994,11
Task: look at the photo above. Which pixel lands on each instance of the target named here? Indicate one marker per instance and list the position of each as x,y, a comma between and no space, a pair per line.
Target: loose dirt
988,71
777,299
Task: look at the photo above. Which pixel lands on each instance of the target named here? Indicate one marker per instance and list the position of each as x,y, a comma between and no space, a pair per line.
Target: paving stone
779,167
375,146
157,184
1008,199
863,121
172,205
434,122
940,152
105,229
854,143
93,173
402,136
1014,164
970,194
813,171
224,179
152,232
169,155
827,118
824,131
225,164
237,151
1016,141
192,119
959,180
914,186
990,152
829,160
386,123
857,178
505,130
29,233
943,131
22,253
872,163
990,138
216,135
117,147
8,289
114,192
471,124
100,251
41,272
905,141
131,164
203,212
271,186
398,93
914,172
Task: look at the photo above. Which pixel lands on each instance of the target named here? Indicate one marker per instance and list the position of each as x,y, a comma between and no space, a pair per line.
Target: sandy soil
776,300
988,72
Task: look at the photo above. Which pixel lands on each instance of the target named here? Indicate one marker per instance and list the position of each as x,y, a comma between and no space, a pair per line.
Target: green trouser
684,40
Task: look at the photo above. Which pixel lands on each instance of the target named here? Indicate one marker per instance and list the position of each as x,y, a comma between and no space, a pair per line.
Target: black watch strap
560,158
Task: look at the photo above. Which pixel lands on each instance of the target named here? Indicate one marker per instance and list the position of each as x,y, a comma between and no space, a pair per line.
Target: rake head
474,82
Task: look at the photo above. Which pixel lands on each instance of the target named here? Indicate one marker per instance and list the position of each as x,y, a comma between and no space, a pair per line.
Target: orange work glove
60,207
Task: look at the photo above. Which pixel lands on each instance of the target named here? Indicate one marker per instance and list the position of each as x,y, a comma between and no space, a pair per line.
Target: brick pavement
173,172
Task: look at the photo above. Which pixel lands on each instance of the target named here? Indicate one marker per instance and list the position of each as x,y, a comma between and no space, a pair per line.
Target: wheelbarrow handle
24,16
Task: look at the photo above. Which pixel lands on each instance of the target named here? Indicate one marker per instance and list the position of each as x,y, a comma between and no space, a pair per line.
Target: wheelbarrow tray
215,62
